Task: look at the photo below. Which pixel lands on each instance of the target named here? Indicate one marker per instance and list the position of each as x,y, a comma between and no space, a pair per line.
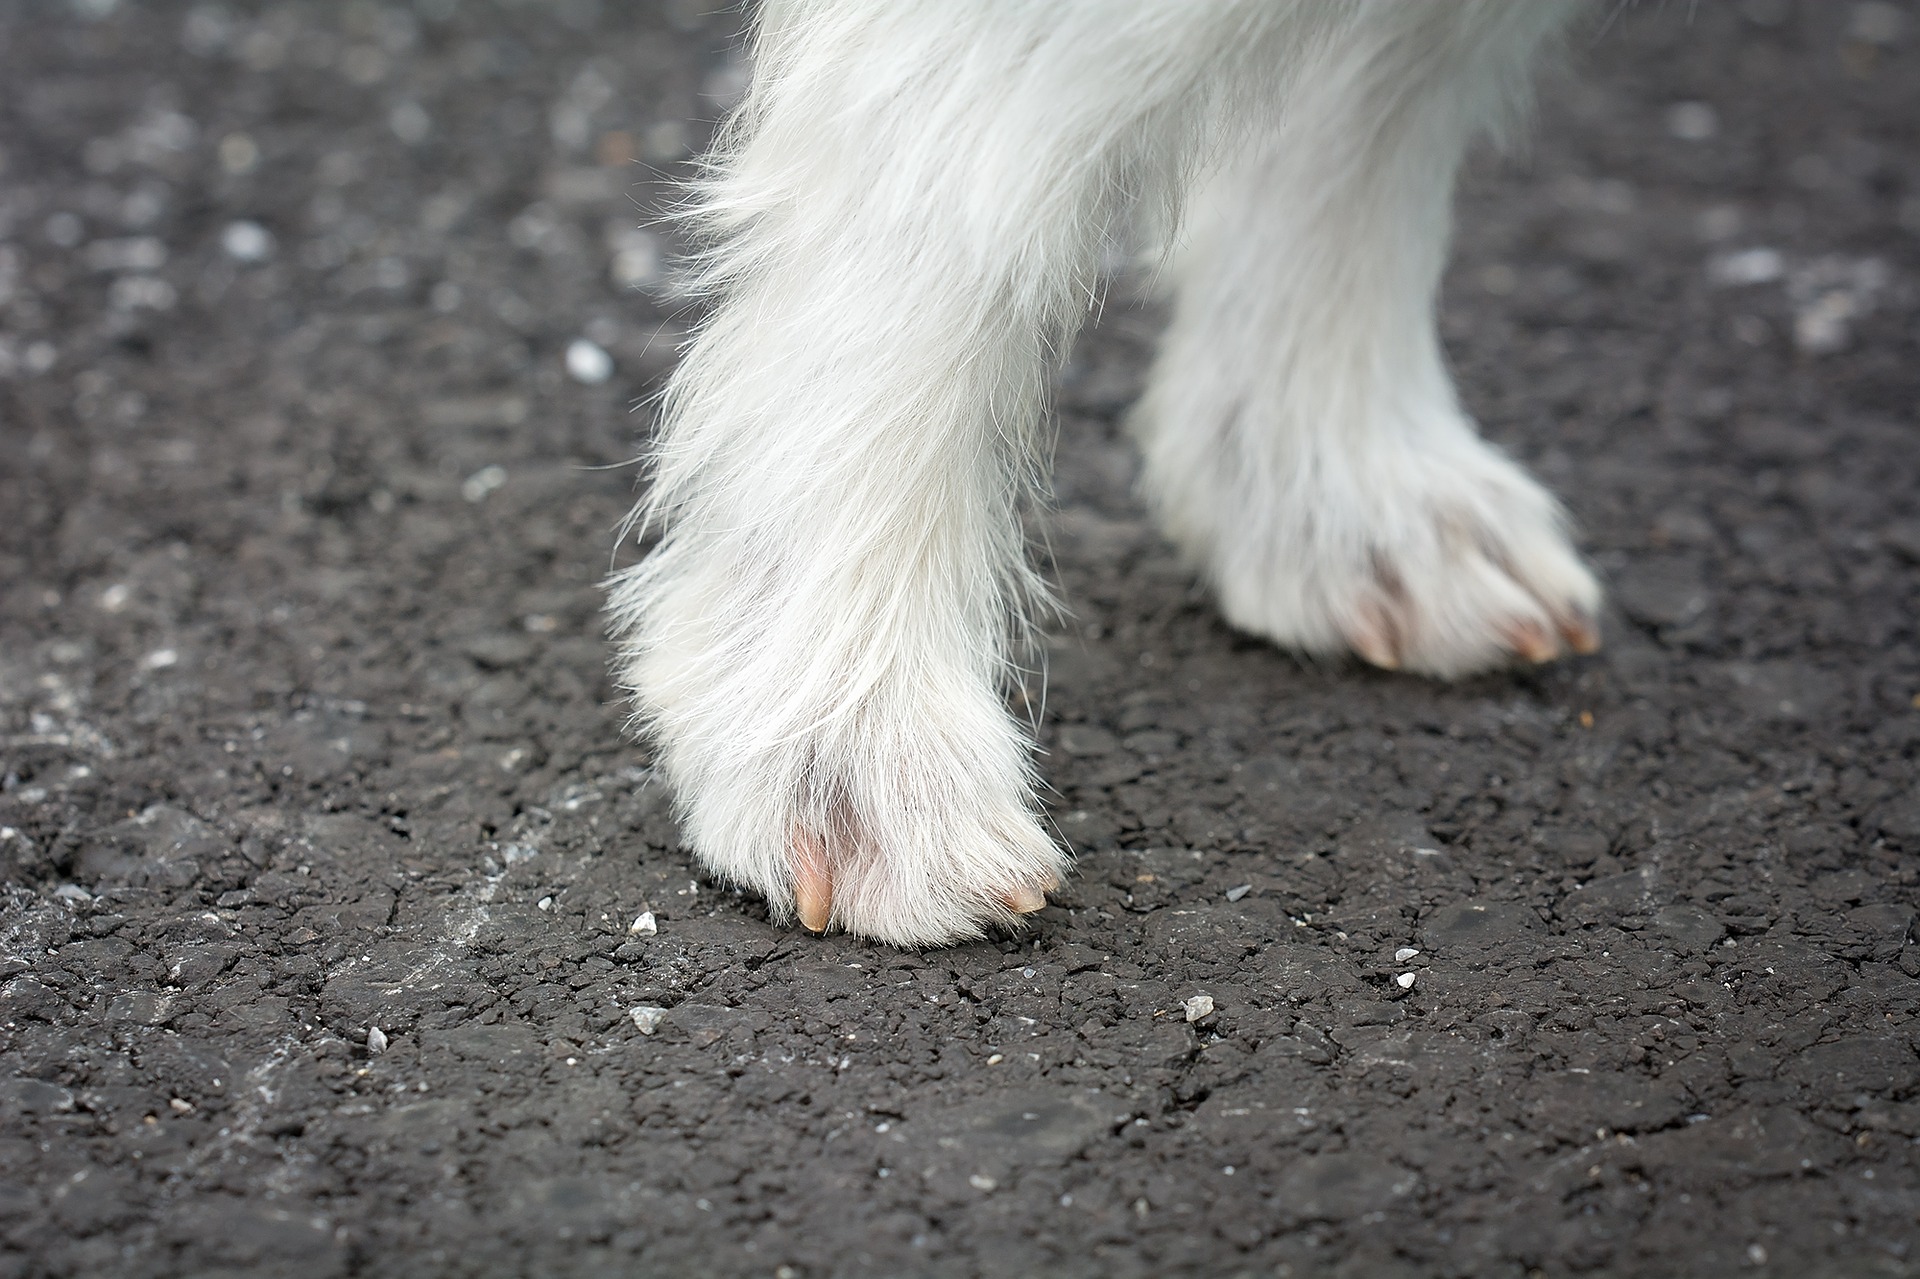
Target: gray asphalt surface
323,852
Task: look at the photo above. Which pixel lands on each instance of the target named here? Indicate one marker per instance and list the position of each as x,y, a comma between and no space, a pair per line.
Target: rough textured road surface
332,888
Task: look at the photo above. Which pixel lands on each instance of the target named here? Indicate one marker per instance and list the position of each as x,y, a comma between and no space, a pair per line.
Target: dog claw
812,885
1372,638
1581,633
1531,641
1024,901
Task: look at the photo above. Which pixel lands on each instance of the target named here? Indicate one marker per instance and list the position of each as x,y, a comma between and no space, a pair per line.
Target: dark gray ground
305,730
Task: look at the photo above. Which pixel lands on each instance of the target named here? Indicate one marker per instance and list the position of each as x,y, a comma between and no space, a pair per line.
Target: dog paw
877,785
891,875
1472,601
911,837
1440,566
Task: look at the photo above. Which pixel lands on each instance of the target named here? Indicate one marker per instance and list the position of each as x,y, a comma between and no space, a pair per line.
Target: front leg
1304,444
903,221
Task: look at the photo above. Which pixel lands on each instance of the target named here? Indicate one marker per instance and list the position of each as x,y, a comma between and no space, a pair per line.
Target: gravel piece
247,241
588,362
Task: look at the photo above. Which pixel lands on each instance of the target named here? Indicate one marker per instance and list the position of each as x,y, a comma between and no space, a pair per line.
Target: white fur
903,223
1303,441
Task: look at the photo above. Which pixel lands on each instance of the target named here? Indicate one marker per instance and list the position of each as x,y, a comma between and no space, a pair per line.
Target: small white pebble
1405,953
180,1106
545,903
995,1059
482,482
1404,981
981,1183
115,597
646,1018
67,892
588,362
1199,1006
1236,893
376,1040
159,659
645,924
1825,327
246,241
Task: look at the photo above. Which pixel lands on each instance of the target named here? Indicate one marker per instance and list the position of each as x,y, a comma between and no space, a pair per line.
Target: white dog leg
1304,442
904,222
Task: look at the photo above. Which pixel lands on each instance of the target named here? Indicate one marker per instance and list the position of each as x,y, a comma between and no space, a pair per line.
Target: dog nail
1581,634
1024,901
812,886
813,900
1531,641
1370,641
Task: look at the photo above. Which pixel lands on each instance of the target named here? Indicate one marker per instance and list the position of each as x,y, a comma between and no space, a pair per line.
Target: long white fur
1302,438
902,227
